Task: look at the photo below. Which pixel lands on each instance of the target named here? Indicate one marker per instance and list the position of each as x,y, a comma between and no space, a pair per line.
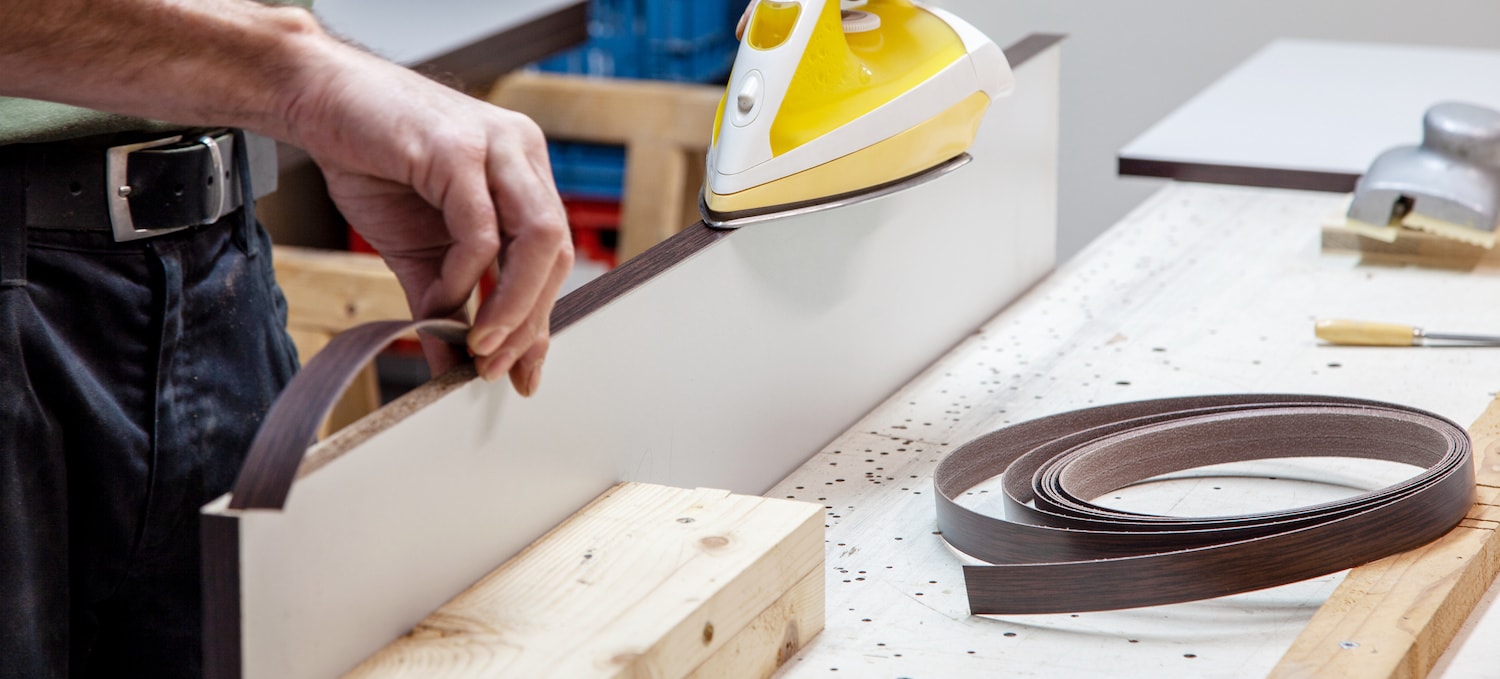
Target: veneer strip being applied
1056,552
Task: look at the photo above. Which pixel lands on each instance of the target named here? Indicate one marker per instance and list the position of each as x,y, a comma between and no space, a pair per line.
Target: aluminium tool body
1449,185
834,102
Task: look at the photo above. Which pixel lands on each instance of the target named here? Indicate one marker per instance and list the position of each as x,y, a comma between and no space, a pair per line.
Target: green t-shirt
28,120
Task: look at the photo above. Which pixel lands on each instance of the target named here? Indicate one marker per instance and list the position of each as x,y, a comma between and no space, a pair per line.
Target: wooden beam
612,110
1395,617
665,129
333,290
774,636
646,581
655,186
1417,248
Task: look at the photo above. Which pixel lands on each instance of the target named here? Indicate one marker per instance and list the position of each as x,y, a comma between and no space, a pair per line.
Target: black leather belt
141,189
1055,552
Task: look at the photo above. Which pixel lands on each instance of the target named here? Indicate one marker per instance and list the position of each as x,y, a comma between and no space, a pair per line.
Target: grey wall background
1128,63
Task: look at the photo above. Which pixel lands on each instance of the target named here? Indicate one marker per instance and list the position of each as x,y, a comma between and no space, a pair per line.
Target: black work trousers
132,378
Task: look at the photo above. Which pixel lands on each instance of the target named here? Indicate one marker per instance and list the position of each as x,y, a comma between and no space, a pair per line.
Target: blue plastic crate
590,171
682,40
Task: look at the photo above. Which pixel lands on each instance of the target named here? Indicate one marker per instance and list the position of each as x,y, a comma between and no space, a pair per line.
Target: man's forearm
196,62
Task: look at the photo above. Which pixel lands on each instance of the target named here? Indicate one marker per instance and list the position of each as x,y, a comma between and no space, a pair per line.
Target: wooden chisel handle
1366,333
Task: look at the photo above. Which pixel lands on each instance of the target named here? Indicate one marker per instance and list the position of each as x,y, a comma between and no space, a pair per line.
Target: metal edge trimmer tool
832,103
1448,186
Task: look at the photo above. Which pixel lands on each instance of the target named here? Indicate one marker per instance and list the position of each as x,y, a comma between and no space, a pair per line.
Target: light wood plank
1417,248
333,290
645,581
1395,617
664,127
655,187
611,110
773,637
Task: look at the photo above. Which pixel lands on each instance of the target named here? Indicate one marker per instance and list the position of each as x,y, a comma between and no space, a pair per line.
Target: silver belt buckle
117,179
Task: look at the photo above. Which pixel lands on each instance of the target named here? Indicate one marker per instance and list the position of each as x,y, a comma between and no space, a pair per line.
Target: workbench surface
1203,289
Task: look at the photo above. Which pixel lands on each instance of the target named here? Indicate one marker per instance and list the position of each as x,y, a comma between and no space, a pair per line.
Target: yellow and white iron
832,102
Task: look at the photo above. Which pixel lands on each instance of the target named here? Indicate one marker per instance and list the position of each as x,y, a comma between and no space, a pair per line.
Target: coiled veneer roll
1053,551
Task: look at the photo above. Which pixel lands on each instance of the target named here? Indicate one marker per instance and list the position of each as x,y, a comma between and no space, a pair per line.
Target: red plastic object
595,225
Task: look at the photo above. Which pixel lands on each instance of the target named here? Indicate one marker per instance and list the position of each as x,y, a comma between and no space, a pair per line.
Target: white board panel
728,370
1319,106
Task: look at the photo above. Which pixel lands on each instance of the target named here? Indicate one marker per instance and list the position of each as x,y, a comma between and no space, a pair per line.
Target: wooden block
612,111
655,184
332,290
1395,617
647,580
774,636
665,129
1412,247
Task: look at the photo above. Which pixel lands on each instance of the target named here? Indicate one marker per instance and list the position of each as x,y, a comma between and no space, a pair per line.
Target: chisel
1367,333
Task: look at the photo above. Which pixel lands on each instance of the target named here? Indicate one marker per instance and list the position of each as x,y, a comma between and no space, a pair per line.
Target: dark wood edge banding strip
1021,51
292,422
220,537
478,64
633,273
1239,175
1055,552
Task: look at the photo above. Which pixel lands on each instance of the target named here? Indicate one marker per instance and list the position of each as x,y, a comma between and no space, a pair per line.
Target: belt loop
12,217
248,225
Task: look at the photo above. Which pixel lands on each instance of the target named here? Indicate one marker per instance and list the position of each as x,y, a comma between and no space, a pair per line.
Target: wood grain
1271,178
1395,617
332,291
645,581
656,186
1056,553
1417,248
774,636
665,128
220,540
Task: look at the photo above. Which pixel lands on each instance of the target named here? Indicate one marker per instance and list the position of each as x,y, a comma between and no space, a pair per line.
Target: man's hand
443,185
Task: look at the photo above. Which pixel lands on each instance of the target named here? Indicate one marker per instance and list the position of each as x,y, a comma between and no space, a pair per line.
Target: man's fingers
522,353
472,222
538,251
441,356
532,273
526,374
